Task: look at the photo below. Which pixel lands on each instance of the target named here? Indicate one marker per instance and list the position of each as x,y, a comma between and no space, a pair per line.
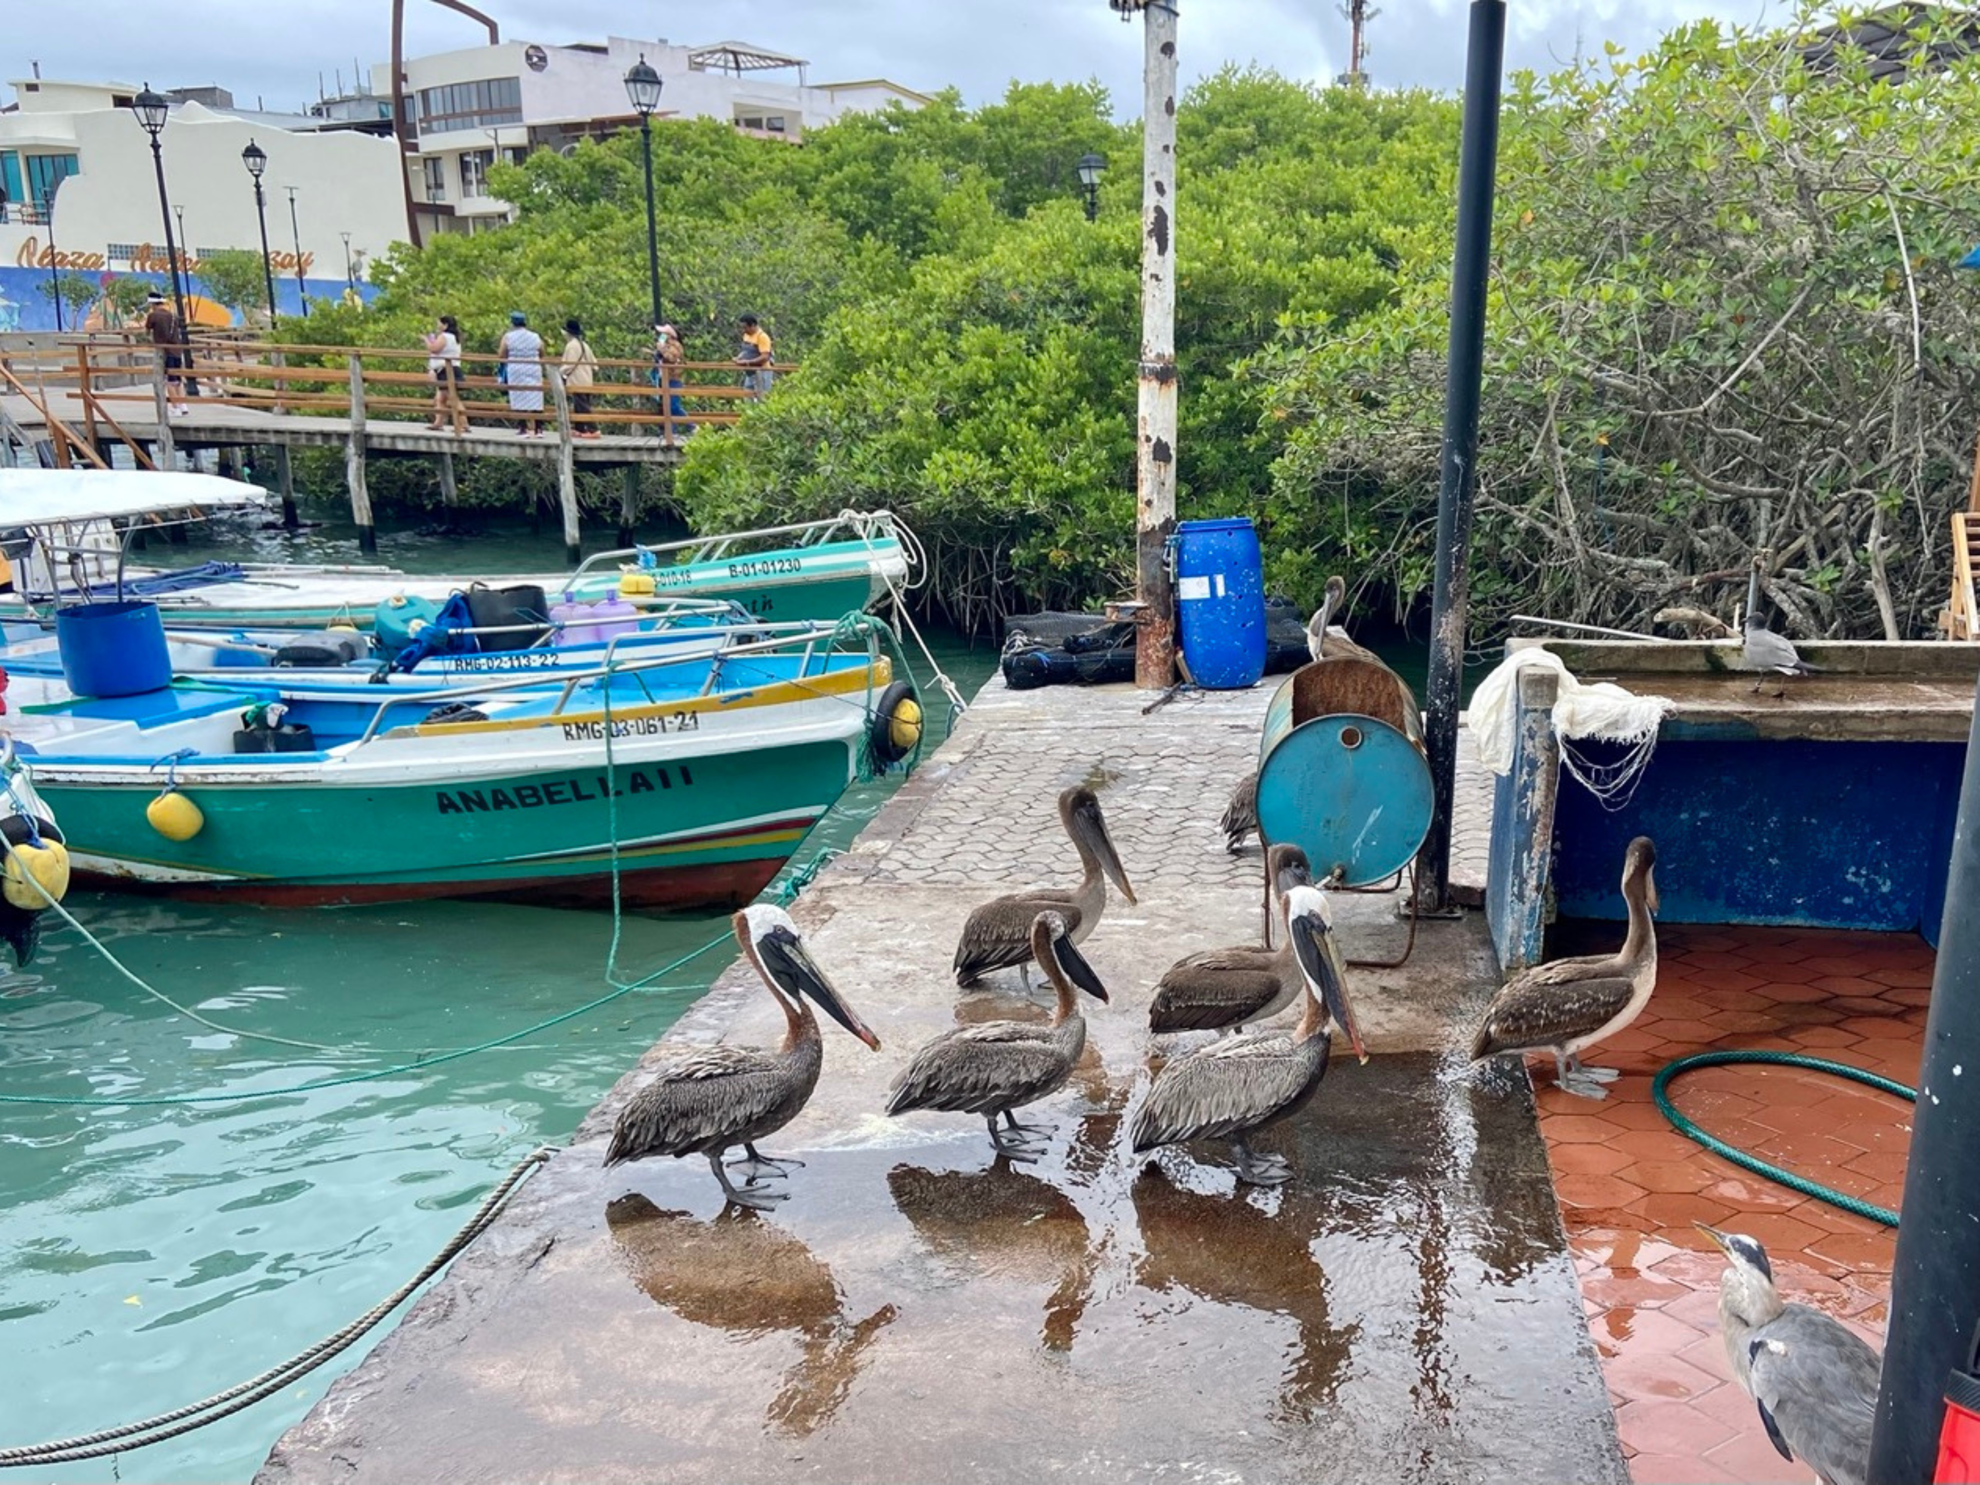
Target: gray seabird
993,1067
1761,649
1240,1084
998,934
1571,1004
711,1099
1813,1378
1220,989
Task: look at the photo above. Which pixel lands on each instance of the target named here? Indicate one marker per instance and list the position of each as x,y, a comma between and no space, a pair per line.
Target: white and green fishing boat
811,570
681,782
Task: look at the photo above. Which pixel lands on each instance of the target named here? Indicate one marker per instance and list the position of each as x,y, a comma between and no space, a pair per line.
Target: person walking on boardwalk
521,354
756,355
443,360
667,360
168,336
578,370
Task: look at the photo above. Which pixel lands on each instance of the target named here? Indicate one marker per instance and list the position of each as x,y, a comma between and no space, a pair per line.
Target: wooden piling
354,465
566,468
628,503
450,491
285,481
162,450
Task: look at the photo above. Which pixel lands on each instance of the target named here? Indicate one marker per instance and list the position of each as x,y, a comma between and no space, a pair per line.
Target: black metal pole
54,272
295,227
172,256
1450,602
652,228
1935,1279
267,262
1093,203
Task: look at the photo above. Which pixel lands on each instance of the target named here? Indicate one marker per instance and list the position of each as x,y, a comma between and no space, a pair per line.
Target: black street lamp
185,249
295,228
1090,168
643,87
349,281
54,258
256,160
151,110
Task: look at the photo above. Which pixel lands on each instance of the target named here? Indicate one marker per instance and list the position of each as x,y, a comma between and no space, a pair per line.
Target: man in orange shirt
755,354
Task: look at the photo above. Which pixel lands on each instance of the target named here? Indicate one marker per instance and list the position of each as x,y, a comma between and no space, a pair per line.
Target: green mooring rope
1660,1090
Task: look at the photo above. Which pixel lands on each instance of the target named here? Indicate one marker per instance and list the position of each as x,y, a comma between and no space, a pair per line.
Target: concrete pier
921,1310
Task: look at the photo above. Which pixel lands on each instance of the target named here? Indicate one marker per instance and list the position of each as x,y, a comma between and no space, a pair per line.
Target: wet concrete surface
922,1308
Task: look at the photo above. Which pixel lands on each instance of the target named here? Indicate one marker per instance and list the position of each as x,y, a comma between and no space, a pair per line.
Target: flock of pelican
712,1100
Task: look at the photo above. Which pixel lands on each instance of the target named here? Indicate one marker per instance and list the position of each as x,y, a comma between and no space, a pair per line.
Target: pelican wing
998,934
1815,1382
696,1097
1535,1012
1241,814
992,1065
1228,1087
1214,989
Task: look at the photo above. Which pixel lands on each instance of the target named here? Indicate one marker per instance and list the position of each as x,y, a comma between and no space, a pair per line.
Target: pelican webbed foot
749,1194
1254,1169
756,1164
1015,1142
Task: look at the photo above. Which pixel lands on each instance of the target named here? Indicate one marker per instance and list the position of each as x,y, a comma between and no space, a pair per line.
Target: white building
78,148
467,108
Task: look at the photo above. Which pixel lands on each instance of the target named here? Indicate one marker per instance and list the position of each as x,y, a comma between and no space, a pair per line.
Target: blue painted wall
23,305
1829,834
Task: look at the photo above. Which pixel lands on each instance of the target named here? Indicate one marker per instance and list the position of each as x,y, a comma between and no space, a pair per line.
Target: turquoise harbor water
153,1254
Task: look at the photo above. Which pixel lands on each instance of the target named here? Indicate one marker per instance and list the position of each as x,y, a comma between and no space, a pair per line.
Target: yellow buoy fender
636,584
174,816
896,727
45,865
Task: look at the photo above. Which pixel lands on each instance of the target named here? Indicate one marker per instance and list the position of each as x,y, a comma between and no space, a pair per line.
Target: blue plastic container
1220,602
113,649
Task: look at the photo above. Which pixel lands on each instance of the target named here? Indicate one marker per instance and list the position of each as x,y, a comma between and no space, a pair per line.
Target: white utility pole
1155,463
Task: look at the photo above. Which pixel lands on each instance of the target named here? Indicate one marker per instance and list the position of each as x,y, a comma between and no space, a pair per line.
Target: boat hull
703,830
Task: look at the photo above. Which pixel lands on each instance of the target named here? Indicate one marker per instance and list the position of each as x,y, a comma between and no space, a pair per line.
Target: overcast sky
275,48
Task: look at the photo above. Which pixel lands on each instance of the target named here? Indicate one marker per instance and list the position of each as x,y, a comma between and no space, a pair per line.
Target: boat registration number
765,567
634,727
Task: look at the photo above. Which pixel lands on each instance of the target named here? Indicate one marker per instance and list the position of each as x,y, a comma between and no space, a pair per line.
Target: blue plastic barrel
112,649
1220,602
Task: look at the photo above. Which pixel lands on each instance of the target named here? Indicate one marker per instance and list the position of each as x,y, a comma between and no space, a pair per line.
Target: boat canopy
46,497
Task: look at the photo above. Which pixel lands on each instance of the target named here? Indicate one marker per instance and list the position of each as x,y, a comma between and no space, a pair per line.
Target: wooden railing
373,383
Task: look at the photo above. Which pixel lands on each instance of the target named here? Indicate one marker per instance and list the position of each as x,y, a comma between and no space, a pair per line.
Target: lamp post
643,87
151,110
1090,168
256,160
349,281
295,228
54,258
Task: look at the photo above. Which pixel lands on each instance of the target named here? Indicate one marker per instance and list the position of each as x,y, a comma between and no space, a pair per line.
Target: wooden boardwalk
83,395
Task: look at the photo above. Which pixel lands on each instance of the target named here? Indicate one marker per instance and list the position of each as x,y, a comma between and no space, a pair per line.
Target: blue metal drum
1351,792
1220,602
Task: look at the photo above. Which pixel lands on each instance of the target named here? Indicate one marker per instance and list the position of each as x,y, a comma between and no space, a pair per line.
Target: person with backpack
578,369
169,337
443,361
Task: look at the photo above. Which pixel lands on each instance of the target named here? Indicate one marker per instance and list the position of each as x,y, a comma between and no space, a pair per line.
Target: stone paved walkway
920,1310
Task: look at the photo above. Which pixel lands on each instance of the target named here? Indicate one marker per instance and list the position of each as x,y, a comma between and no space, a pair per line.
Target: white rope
1601,712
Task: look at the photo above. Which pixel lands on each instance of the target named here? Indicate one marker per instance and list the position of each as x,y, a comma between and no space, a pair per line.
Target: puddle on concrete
932,1309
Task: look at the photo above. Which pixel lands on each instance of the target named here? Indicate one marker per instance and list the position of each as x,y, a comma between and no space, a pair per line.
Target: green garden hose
1660,1090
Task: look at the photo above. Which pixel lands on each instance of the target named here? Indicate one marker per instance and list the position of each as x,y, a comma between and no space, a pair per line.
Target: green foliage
127,293
237,278
1724,319
72,289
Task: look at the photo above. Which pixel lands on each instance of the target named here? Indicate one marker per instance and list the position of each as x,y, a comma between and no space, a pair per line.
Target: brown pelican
1571,1004
1243,1083
999,935
1761,649
1241,814
1220,989
710,1099
993,1067
1814,1379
